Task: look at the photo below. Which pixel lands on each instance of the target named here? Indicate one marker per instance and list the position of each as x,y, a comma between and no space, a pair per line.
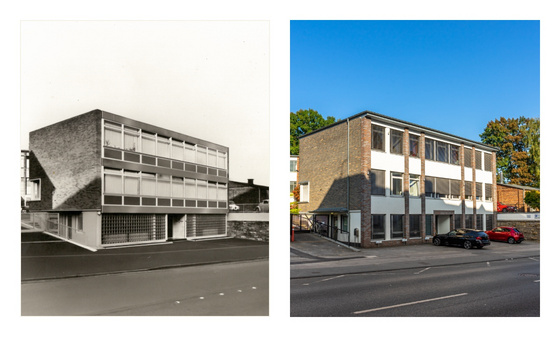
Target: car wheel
511,240
437,242
467,244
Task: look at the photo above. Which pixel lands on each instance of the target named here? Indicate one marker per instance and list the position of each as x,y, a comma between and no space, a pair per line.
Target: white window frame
35,189
304,189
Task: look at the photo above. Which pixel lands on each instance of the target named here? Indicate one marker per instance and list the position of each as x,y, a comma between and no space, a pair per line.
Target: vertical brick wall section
473,188
66,156
365,167
406,183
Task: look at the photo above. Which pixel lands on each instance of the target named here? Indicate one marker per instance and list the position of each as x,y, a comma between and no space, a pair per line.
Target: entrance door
443,224
176,226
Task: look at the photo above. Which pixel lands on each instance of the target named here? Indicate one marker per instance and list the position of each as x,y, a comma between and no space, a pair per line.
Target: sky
452,76
206,79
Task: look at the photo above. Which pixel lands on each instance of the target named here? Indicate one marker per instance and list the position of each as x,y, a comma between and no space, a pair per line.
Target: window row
136,140
434,149
434,187
396,224
134,183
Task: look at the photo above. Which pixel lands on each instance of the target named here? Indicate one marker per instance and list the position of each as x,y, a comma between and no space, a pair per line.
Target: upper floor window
35,189
148,143
478,160
487,162
131,139
304,192
454,154
377,137
396,142
113,135
177,151
429,146
414,145
377,180
163,146
468,157
293,166
396,183
414,189
442,152
222,160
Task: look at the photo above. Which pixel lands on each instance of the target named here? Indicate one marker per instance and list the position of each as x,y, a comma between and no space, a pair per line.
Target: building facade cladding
96,163
390,190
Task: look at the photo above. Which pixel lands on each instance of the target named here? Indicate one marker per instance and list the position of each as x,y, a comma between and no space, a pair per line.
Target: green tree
518,157
303,122
533,199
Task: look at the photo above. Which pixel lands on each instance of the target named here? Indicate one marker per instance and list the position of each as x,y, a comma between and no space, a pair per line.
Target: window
201,189
222,162
479,224
201,157
429,224
414,225
414,189
131,182
212,191
190,153
113,181
131,139
190,188
468,190
304,192
163,185
469,220
414,143
442,187
212,158
468,157
344,222
489,221
442,152
177,151
377,179
430,187
378,226
148,184
396,183
35,189
293,166
148,143
293,185
487,162
478,191
454,155
457,221
163,146
455,189
222,192
113,134
377,137
396,142
396,226
177,188
478,160
488,192
429,147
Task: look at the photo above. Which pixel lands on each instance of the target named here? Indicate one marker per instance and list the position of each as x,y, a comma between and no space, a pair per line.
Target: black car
462,237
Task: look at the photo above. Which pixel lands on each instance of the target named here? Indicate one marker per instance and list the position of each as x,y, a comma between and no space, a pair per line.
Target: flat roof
412,126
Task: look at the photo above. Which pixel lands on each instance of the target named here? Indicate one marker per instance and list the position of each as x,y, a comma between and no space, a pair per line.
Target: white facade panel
387,205
443,170
387,161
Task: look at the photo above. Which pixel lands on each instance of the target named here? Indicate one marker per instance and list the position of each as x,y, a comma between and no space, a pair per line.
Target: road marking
409,303
537,281
421,271
532,258
332,278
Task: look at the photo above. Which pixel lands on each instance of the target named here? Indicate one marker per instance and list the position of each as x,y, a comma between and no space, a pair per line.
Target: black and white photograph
144,168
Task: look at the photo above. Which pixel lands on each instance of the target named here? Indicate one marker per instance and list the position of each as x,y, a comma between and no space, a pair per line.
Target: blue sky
453,76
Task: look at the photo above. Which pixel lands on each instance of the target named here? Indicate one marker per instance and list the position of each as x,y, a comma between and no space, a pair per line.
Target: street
237,288
508,287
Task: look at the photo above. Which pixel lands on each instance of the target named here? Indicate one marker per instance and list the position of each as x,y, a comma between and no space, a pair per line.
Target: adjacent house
373,180
293,173
102,180
514,195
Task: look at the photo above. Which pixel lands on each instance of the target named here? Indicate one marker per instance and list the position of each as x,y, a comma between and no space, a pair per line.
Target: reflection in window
396,142
429,147
414,143
414,185
378,137
396,183
442,152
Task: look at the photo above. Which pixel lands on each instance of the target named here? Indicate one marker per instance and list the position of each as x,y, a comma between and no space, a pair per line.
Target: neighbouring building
103,180
514,195
378,181
293,173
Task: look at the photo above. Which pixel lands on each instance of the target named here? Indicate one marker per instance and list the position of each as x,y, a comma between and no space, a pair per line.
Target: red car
507,234
505,208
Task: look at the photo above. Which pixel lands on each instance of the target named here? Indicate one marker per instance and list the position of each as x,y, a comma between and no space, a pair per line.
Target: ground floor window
469,219
127,228
378,226
489,221
414,221
396,226
479,224
344,222
429,224
457,221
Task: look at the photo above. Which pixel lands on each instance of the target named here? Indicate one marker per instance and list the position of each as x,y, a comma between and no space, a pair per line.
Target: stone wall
530,229
250,230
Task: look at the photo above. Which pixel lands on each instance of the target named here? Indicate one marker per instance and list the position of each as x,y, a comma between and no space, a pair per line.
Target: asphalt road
509,288
238,288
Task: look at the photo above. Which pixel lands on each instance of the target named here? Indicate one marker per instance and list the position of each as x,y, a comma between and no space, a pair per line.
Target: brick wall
66,156
512,196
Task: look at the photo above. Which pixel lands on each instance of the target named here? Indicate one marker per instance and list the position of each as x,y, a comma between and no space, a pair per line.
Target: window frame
377,137
304,191
396,144
397,176
414,144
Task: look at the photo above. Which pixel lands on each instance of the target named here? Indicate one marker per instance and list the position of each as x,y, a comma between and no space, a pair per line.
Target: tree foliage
533,199
303,122
518,140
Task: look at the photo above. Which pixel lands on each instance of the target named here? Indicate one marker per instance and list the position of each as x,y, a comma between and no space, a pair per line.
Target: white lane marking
409,303
421,271
532,258
332,278
536,281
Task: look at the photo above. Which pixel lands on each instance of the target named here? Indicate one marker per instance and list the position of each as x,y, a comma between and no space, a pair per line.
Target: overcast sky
206,79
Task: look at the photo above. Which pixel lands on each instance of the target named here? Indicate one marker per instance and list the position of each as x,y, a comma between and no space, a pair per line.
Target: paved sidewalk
312,255
45,257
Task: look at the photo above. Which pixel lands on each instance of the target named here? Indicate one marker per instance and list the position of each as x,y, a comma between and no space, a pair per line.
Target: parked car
466,238
233,206
505,208
507,234
263,206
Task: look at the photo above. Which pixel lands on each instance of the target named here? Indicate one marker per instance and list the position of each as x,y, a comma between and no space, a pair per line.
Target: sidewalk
312,255
45,257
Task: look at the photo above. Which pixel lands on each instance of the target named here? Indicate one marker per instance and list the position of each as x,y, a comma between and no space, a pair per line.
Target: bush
533,199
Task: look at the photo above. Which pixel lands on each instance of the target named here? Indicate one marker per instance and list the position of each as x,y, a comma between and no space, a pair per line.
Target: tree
303,122
533,199
518,157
